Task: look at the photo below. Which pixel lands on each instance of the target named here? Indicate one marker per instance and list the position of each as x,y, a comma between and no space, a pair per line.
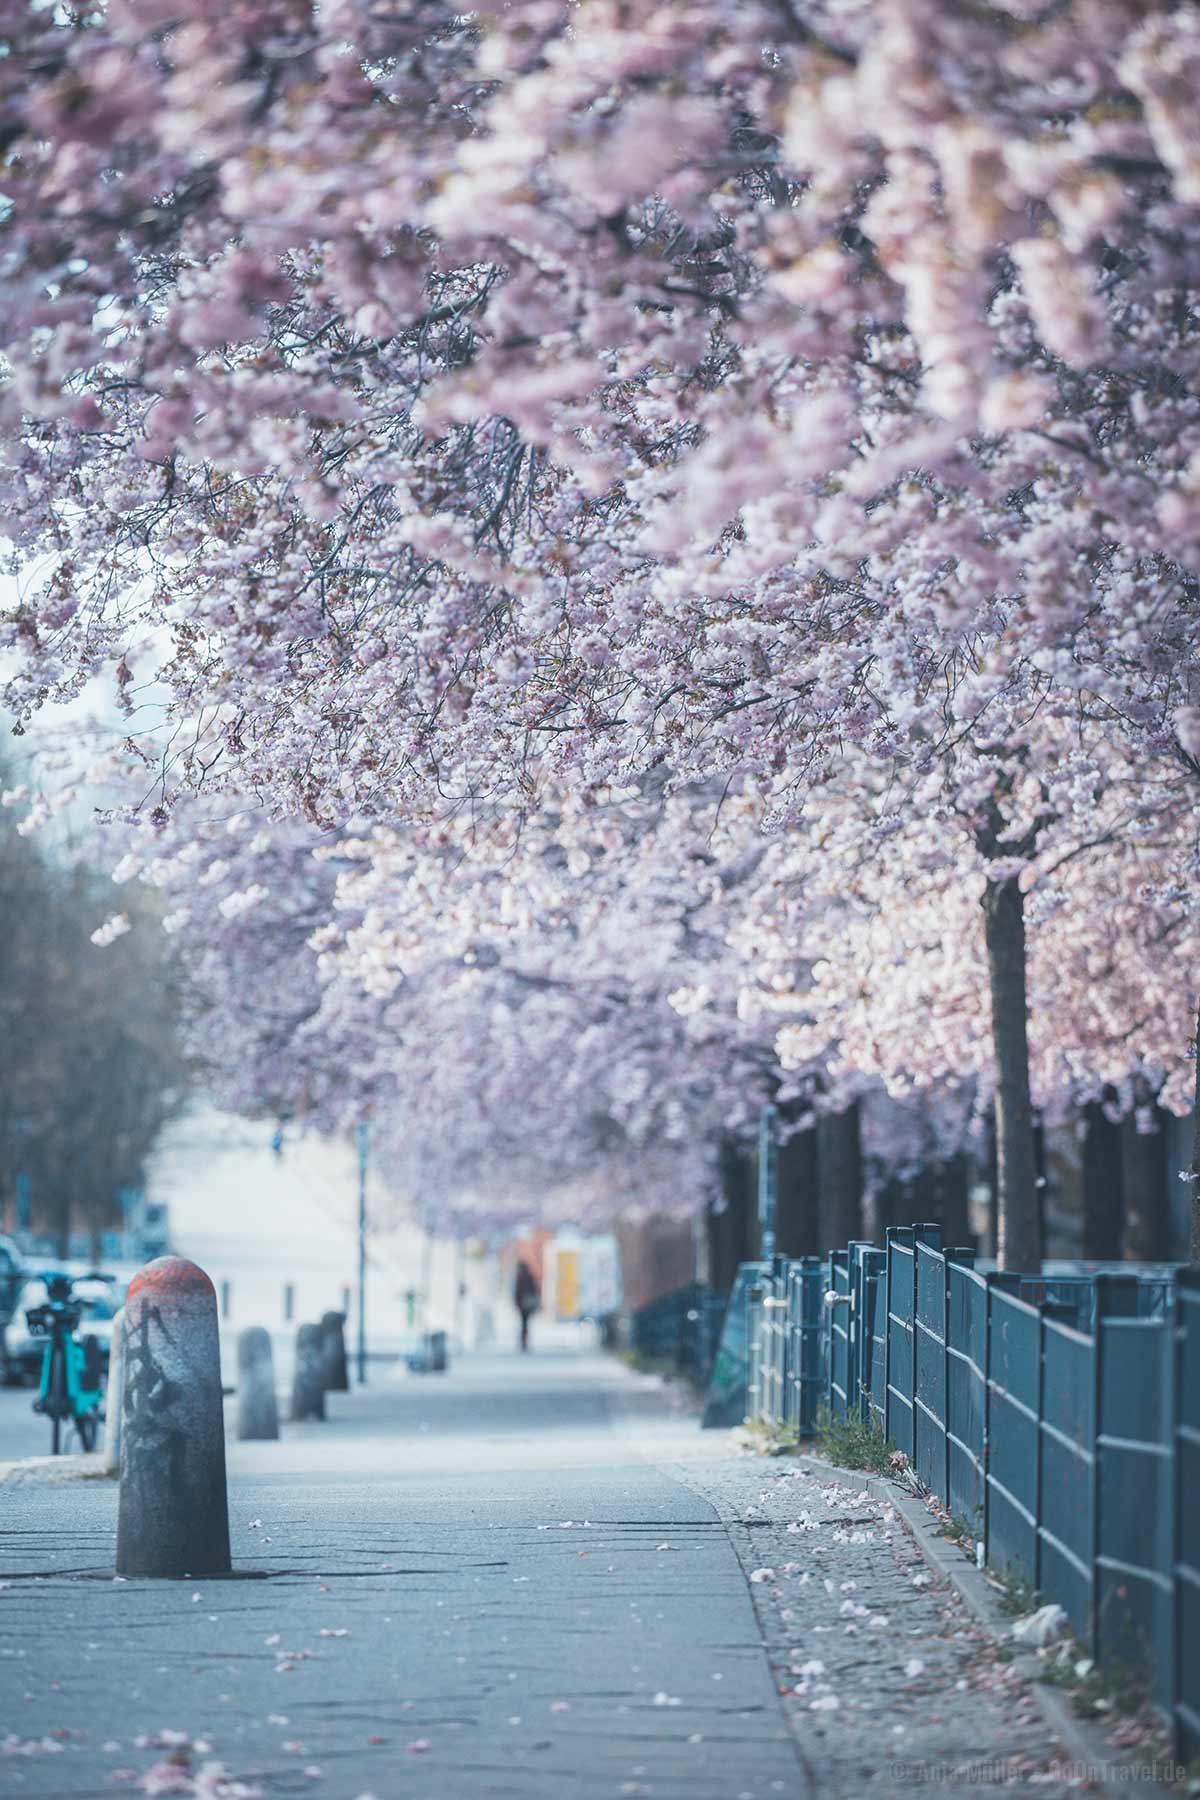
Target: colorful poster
566,1283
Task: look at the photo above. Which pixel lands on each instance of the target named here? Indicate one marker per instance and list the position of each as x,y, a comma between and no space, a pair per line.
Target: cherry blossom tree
471,416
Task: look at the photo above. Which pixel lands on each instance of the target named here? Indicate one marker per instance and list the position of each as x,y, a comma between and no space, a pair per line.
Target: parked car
12,1275
23,1350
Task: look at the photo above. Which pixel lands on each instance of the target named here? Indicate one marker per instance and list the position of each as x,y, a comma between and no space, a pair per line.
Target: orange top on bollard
170,1272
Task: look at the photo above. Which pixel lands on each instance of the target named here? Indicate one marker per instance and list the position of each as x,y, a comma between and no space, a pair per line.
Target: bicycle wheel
87,1430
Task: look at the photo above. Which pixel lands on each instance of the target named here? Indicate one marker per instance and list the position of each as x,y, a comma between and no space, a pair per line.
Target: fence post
1046,1309
899,1237
753,1355
1097,1467
1170,1686
1006,1283
855,1255
946,1382
1185,1571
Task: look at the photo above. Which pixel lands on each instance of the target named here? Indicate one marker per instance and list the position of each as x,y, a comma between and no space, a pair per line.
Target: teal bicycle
72,1384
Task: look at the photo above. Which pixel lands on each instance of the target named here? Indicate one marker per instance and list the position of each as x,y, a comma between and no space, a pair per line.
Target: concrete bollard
308,1382
258,1413
173,1512
114,1394
337,1374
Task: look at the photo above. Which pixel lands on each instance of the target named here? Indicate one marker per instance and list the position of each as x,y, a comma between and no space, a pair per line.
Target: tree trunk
895,1204
717,1256
951,1189
796,1201
1103,1201
839,1175
1144,1177
1019,1243
730,1230
993,1181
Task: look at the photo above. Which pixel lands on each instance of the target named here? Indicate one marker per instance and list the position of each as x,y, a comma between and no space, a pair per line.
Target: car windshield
97,1302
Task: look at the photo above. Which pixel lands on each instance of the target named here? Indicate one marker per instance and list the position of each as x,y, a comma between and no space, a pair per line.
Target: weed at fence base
854,1444
1017,1596
766,1439
959,1531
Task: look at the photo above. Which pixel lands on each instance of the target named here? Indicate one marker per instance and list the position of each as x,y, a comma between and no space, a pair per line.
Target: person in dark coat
528,1298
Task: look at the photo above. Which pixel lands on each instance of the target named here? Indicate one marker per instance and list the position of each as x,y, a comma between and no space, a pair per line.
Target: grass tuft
770,1440
853,1444
1017,1597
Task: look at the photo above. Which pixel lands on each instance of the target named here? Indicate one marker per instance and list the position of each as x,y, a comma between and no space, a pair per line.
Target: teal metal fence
1057,1416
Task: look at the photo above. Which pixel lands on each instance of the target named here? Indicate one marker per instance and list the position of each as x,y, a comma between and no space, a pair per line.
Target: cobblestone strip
886,1681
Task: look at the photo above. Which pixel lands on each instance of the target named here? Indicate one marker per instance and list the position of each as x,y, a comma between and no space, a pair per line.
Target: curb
53,1471
1084,1744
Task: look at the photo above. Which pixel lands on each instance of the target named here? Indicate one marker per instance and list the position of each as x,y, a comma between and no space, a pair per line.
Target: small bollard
114,1395
258,1413
308,1382
438,1361
337,1374
173,1512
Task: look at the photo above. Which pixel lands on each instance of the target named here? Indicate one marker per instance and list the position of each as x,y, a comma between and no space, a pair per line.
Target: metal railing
680,1328
1056,1415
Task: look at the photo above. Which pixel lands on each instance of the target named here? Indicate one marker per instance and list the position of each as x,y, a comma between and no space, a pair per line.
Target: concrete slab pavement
478,1585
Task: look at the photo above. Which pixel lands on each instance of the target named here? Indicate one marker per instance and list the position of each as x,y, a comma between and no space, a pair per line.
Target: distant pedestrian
528,1298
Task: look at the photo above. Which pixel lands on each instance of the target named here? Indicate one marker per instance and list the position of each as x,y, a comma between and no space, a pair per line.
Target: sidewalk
534,1577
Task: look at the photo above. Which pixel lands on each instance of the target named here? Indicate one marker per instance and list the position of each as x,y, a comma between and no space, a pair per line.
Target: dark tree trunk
1144,1177
730,1231
839,1175
796,1203
1102,1198
1019,1230
1041,1180
720,1251
891,1208
951,1190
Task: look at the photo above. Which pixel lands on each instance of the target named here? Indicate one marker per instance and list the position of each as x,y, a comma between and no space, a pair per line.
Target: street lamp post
363,1135
766,1181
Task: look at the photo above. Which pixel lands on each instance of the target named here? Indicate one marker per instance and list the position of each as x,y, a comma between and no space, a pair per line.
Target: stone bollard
337,1375
308,1383
173,1512
258,1413
114,1395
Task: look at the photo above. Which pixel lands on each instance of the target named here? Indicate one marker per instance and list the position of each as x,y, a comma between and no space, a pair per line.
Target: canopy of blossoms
673,504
